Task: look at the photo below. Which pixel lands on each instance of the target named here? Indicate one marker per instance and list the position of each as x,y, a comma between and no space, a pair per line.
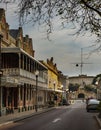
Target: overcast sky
65,48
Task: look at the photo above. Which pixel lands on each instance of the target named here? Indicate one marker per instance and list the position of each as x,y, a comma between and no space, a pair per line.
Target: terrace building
18,66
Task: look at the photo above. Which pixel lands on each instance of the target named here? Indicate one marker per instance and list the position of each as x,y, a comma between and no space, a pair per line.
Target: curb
25,117
31,115
98,120
6,123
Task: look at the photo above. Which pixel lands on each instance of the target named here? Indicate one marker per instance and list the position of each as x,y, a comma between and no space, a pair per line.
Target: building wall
18,82
81,79
52,73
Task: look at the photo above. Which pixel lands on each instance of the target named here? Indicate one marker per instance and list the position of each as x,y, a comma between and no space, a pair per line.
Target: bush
99,109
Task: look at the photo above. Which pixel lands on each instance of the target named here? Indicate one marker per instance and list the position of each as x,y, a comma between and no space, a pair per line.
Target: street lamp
1,36
55,96
54,86
62,93
36,104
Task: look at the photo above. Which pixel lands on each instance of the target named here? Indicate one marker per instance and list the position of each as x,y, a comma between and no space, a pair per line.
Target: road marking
55,120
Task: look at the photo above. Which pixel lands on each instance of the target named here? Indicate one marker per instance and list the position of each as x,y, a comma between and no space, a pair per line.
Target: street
73,117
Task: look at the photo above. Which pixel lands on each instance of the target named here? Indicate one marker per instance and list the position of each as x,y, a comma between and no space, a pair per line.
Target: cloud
65,48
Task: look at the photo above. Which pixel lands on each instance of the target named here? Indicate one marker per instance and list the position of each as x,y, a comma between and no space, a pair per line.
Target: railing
11,72
27,74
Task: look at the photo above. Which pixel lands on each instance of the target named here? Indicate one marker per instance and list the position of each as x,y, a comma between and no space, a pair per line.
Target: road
73,117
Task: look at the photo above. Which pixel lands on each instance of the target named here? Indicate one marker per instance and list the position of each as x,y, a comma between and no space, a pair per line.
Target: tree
85,13
96,79
90,88
73,87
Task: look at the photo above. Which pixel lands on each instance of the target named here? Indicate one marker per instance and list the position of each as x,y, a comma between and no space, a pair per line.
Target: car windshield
93,101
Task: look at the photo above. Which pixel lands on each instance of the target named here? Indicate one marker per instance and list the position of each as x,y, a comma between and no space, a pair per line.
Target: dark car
92,104
64,102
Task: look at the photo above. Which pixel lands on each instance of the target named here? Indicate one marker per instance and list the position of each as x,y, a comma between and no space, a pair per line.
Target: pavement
98,119
14,117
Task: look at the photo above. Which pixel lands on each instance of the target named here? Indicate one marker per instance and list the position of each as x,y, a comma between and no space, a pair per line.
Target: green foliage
89,88
73,87
99,107
96,78
99,110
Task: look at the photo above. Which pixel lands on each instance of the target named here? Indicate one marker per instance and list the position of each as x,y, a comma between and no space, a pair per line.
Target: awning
49,89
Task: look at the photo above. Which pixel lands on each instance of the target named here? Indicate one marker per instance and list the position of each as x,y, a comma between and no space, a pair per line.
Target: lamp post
0,57
62,93
0,77
55,97
54,87
36,103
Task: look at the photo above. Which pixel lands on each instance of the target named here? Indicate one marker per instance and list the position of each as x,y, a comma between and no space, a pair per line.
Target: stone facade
82,80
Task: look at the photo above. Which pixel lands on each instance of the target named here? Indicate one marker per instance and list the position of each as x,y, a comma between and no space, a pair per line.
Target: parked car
64,102
92,104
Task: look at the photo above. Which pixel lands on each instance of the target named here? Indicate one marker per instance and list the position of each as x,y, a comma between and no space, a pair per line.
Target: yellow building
54,92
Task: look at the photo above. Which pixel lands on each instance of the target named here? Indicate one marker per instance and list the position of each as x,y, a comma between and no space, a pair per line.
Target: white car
92,104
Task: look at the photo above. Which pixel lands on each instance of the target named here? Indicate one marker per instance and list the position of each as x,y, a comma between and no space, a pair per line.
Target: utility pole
36,103
81,62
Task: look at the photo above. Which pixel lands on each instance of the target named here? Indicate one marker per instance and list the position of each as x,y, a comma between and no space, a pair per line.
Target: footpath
11,118
98,120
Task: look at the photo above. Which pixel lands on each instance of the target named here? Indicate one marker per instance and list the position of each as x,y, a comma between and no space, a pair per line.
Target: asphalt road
72,117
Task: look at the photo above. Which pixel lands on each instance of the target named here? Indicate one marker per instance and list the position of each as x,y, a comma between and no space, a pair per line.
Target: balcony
20,76
11,72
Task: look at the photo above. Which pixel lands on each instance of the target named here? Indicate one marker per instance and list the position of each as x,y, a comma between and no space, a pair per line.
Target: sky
62,46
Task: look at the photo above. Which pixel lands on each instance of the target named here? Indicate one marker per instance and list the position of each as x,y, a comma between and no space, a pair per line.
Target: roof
1,12
14,33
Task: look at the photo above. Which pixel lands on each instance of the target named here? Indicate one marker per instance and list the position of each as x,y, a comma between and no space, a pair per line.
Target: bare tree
85,13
